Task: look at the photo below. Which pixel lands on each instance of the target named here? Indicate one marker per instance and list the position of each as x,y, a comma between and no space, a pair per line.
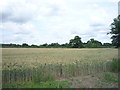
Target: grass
107,80
115,65
100,80
82,86
47,84
41,78
108,77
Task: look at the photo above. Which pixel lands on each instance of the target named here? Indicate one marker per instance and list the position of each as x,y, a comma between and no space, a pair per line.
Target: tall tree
115,31
76,42
93,43
25,45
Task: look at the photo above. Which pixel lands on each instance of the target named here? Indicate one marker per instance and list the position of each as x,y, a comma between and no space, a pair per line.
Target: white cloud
17,11
38,21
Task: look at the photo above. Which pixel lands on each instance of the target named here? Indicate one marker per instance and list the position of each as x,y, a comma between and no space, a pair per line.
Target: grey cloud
98,29
87,34
15,14
54,10
74,32
96,25
5,14
6,17
22,33
19,20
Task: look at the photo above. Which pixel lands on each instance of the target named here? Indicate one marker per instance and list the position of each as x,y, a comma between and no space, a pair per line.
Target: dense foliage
93,44
76,42
115,31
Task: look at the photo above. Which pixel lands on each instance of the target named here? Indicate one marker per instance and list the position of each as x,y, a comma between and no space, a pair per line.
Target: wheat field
32,56
31,64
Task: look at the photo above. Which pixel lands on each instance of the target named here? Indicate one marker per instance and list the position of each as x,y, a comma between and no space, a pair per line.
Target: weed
108,77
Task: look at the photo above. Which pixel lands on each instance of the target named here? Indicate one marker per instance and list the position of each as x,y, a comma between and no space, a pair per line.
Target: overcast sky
51,21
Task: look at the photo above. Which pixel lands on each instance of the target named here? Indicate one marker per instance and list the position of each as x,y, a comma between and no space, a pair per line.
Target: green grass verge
108,77
47,84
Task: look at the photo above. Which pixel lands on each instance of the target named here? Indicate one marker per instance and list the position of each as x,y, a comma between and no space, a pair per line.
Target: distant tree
115,31
34,46
54,45
25,45
66,45
11,45
84,45
76,42
107,45
45,45
93,43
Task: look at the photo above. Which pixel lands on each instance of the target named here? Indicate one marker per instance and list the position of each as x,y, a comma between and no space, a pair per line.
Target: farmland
49,55
42,64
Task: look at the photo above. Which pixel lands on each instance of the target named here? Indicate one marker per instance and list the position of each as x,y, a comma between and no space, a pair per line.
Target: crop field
42,64
52,56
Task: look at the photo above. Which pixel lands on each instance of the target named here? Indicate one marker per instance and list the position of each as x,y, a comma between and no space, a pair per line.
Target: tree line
76,42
